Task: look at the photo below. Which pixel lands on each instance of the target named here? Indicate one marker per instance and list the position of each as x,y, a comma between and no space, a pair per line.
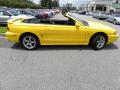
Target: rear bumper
112,38
12,37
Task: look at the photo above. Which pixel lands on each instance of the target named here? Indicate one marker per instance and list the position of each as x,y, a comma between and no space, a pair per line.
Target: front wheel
29,42
98,42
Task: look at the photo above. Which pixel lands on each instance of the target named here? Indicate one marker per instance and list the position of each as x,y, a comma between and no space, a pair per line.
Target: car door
4,16
64,35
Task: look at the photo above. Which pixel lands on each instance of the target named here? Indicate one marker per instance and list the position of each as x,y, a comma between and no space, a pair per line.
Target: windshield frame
77,19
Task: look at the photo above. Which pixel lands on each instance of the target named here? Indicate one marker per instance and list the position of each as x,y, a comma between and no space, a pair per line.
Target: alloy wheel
29,42
100,42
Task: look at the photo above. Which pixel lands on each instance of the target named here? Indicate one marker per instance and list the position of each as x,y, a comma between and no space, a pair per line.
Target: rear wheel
98,42
29,41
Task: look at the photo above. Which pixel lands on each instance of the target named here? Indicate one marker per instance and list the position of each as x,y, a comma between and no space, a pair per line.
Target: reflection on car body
31,33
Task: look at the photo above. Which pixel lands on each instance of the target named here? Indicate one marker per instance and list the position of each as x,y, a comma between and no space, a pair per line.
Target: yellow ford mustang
31,33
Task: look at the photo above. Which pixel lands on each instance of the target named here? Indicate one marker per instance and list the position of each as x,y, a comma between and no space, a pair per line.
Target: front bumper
117,22
112,38
12,37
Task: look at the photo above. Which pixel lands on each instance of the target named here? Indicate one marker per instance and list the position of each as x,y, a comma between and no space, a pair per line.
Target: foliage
67,7
18,4
49,3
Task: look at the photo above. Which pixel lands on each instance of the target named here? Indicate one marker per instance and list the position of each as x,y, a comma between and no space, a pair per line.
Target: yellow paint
49,34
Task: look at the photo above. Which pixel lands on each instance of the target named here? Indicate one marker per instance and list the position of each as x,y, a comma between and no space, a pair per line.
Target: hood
99,26
117,18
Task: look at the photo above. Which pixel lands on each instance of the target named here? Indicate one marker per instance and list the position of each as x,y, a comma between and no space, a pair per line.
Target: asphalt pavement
60,67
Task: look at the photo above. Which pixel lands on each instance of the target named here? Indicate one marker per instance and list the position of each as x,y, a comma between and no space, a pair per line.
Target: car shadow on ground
65,47
3,25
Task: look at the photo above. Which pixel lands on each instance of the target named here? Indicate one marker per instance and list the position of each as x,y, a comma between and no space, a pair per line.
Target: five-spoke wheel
29,41
98,41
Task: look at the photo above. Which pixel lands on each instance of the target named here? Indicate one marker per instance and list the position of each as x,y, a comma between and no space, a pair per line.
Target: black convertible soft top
50,21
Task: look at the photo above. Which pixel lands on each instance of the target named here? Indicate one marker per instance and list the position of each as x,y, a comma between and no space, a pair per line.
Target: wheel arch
28,33
101,33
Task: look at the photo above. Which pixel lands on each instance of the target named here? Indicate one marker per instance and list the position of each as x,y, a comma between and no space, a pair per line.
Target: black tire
94,42
34,39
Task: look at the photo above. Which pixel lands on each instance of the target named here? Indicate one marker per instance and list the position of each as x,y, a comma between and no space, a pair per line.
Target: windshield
78,17
117,15
14,13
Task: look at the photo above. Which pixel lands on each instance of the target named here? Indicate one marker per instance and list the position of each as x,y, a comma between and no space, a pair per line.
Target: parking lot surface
60,67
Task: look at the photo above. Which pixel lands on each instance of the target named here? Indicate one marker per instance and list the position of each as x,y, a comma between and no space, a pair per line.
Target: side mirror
77,25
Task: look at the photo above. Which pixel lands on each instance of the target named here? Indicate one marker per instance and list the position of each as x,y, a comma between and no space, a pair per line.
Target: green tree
19,4
55,3
49,3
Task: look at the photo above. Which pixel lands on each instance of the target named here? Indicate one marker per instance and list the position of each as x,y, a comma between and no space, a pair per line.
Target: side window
71,22
6,13
68,22
24,12
45,21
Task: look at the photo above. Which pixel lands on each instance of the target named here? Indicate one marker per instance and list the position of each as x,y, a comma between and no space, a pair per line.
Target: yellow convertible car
31,33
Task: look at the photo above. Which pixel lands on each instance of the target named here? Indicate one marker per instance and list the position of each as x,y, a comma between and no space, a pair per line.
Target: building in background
83,7
101,5
116,6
